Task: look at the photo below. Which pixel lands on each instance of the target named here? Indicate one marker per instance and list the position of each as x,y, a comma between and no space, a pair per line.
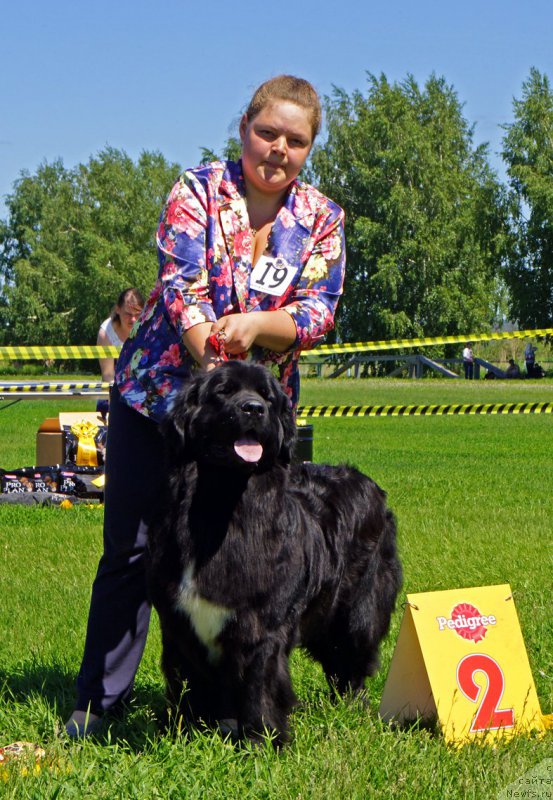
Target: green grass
474,502
388,391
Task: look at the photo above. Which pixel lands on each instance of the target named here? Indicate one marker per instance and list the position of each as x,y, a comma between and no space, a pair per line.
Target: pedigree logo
467,622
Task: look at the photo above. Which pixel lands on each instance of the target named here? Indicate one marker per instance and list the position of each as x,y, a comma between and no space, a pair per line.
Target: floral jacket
205,248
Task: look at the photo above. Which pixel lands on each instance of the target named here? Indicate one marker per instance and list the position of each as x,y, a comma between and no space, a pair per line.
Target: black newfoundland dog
252,556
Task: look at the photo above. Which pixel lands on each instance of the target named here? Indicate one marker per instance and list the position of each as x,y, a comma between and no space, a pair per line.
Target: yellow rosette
86,432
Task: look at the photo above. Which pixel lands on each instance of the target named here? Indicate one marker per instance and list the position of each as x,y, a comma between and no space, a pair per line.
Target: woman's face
128,314
275,145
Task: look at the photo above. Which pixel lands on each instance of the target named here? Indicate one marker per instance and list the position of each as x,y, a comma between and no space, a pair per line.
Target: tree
232,150
424,213
35,256
528,154
74,239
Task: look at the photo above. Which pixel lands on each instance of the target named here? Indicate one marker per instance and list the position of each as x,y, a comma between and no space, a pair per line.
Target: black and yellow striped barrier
31,388
96,351
303,412
310,412
38,351
397,344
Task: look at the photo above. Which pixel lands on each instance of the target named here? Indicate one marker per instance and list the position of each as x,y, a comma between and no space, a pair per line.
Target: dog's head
236,416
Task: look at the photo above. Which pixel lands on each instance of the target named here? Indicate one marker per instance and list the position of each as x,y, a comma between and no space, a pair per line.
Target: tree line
437,244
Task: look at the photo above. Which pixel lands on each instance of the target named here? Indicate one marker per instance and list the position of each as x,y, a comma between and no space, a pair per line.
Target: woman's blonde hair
295,90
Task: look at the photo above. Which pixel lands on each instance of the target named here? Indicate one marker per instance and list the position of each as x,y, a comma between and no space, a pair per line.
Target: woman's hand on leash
274,330
237,332
197,342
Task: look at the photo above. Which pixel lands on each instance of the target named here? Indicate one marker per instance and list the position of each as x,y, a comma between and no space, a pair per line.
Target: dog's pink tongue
248,449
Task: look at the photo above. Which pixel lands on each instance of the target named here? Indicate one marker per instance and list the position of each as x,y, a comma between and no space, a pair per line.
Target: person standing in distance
530,359
468,362
251,265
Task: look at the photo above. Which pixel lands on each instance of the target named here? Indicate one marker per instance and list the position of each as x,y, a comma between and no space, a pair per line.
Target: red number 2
489,716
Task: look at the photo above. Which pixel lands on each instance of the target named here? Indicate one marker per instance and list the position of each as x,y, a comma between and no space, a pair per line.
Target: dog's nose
253,407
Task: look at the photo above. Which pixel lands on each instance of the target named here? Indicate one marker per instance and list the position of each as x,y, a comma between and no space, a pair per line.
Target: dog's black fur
284,556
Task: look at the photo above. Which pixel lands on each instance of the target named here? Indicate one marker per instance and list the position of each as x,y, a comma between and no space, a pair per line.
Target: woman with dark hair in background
114,331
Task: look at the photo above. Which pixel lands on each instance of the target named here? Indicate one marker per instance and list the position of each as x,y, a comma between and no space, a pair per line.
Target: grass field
474,500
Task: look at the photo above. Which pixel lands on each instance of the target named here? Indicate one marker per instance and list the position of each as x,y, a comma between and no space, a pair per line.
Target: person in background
114,330
251,265
468,362
530,358
513,370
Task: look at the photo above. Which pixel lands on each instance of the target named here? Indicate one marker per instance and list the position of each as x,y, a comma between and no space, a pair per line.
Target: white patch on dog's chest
208,619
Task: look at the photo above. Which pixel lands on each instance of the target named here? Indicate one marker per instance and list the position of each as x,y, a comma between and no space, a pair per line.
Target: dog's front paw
228,728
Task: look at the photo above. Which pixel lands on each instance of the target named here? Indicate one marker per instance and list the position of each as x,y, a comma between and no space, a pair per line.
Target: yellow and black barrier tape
398,344
313,412
52,387
97,351
57,351
309,412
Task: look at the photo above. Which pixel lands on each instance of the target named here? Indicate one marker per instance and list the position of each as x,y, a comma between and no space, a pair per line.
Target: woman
251,260
114,331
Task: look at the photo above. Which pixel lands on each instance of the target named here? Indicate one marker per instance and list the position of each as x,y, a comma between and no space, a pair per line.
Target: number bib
272,275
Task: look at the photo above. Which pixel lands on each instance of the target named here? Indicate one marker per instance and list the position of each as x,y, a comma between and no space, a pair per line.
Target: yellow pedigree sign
460,658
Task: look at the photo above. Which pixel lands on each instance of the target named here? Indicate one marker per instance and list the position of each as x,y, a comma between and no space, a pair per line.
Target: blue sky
174,76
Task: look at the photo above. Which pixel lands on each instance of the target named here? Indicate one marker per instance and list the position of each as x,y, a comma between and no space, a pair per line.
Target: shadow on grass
41,697
47,692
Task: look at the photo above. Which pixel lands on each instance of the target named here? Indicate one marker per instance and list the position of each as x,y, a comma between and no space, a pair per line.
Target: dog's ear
288,426
175,424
